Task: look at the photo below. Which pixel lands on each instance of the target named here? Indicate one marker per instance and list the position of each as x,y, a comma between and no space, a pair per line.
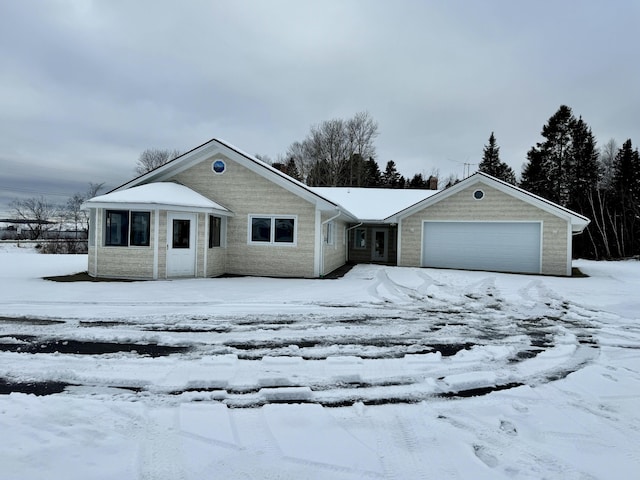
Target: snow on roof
159,193
373,203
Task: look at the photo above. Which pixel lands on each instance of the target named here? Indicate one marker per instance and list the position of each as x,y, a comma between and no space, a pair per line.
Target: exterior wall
95,232
365,255
216,257
121,262
244,193
495,206
334,255
162,245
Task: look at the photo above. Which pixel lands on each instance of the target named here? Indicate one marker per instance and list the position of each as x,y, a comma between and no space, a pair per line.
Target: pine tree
534,174
492,165
626,183
418,181
549,175
390,177
584,174
372,173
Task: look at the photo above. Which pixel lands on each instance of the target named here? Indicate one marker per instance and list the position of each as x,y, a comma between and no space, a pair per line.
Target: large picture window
125,228
272,229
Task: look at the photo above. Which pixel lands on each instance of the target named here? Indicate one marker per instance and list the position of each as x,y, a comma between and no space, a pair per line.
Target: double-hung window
125,228
272,229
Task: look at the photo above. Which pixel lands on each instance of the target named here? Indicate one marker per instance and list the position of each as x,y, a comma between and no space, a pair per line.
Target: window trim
129,234
272,230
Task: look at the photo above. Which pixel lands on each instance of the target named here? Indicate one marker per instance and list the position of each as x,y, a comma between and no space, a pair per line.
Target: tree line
40,217
601,184
566,167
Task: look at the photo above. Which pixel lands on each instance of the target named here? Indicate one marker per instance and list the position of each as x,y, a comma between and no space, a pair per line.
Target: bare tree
73,208
37,214
334,151
153,158
297,153
608,154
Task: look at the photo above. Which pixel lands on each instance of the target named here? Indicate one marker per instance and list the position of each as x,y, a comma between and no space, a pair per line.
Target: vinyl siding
495,206
334,255
121,262
246,193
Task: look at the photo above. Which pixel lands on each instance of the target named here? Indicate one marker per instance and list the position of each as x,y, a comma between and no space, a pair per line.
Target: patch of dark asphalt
31,344
30,321
31,388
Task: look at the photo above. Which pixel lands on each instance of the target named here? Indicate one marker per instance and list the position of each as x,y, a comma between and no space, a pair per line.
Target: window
272,229
140,229
118,233
181,233
215,231
329,233
360,238
478,195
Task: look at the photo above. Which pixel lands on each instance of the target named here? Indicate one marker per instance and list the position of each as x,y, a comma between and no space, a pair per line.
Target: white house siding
334,255
244,193
122,262
495,206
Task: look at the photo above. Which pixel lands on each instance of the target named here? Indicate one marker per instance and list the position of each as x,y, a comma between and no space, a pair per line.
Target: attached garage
495,246
483,223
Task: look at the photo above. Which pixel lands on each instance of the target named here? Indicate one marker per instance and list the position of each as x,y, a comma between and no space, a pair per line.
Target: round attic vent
478,194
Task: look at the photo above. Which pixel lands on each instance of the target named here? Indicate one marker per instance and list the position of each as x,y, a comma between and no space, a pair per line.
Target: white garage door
496,246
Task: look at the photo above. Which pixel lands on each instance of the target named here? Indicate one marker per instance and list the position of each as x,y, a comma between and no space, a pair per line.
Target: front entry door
380,245
181,244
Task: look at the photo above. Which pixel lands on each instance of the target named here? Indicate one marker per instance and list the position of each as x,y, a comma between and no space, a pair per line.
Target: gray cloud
86,86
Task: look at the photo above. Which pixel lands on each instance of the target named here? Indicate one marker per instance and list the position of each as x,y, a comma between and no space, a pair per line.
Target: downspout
322,224
346,232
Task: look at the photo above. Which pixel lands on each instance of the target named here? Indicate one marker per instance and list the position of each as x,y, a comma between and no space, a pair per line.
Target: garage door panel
497,246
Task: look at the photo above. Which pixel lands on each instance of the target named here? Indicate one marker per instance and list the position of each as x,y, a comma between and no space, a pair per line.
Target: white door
380,245
495,246
181,244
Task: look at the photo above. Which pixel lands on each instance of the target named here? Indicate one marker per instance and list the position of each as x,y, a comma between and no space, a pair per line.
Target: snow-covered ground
391,373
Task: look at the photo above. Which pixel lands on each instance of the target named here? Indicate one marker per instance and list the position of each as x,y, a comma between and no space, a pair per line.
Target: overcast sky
86,86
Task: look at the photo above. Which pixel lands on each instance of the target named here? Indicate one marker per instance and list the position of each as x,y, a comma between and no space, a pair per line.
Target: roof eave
155,206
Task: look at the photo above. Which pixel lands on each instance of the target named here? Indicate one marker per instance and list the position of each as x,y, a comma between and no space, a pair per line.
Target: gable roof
214,146
160,194
373,204
578,222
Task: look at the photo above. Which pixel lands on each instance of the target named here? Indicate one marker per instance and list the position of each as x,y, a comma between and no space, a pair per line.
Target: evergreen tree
584,174
418,181
626,182
373,177
390,177
534,174
550,162
492,165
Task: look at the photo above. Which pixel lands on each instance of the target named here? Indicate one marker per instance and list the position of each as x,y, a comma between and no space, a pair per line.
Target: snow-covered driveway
385,373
